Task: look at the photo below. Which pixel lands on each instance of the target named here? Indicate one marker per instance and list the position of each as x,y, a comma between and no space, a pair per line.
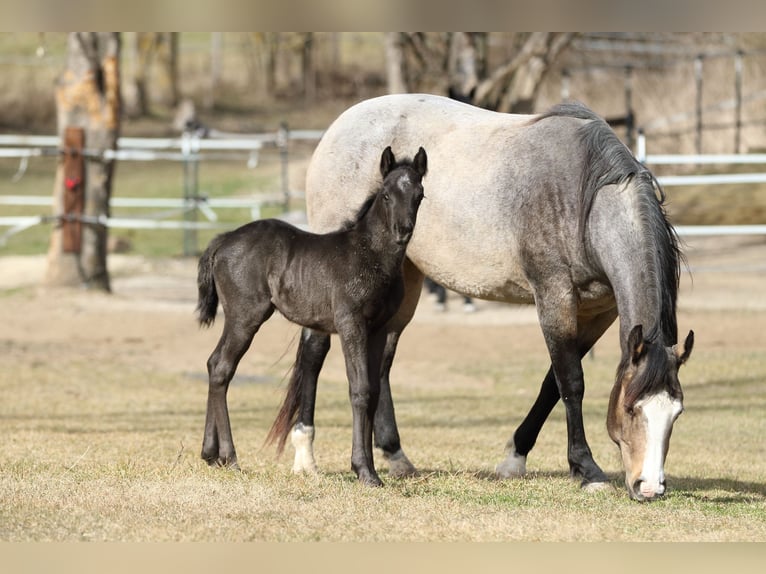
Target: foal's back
298,272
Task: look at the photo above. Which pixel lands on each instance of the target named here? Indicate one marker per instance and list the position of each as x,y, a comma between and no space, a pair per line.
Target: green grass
152,180
105,407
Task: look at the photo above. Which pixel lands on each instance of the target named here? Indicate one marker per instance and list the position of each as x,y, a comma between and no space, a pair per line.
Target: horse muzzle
645,491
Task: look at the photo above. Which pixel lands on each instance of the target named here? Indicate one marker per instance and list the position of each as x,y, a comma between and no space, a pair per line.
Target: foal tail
288,413
207,302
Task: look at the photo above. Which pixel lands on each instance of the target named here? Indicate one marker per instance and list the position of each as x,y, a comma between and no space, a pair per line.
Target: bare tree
88,111
456,63
395,63
155,73
513,86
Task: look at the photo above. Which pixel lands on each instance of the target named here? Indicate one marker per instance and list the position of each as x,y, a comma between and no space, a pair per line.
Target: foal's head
402,192
645,402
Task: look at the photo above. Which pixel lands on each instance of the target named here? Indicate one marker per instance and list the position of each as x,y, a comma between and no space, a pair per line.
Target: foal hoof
373,481
223,463
399,466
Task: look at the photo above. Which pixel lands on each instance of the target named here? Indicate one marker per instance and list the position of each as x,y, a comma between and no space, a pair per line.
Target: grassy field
104,407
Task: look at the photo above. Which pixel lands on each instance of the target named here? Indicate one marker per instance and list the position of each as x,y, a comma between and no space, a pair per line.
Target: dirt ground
149,316
148,323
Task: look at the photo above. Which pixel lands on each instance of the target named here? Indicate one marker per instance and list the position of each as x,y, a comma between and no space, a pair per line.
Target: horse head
402,192
645,402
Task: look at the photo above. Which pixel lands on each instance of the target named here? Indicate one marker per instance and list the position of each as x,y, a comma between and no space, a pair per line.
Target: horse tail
288,412
207,301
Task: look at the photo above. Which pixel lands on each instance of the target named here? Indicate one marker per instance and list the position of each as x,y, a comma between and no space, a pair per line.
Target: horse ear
420,163
636,344
387,161
688,344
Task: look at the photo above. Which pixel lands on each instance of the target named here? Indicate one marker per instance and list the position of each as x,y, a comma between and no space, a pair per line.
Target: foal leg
312,350
218,444
363,392
386,430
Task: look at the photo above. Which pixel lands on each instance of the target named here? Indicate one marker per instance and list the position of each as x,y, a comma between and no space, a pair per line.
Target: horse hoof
399,466
597,487
372,481
514,466
223,463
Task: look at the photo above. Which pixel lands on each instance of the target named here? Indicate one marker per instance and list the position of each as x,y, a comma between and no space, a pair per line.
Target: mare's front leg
557,311
363,392
218,444
525,436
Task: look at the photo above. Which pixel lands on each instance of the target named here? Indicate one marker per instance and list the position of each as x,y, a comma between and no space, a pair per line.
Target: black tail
207,303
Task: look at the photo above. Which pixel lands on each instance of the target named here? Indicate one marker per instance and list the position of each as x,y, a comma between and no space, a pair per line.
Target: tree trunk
395,63
166,84
161,87
87,97
513,87
308,66
144,47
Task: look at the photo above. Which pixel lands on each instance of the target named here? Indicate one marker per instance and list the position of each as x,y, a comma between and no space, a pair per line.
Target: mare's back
490,176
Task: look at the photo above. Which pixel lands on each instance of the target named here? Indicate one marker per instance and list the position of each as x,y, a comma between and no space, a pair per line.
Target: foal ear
636,344
688,344
420,163
387,161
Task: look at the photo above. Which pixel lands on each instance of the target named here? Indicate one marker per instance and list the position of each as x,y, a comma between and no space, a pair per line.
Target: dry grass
104,406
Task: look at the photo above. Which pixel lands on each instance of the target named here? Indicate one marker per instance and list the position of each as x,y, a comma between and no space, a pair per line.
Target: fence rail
190,150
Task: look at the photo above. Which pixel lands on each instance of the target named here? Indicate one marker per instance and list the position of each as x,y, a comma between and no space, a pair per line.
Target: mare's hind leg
526,434
386,431
238,332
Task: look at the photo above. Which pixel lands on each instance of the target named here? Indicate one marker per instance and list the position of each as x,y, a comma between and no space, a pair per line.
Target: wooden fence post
74,190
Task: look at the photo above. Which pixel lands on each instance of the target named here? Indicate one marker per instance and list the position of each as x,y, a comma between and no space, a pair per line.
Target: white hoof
399,465
514,465
302,439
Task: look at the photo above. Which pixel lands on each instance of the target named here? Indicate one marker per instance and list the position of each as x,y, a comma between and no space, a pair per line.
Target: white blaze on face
659,413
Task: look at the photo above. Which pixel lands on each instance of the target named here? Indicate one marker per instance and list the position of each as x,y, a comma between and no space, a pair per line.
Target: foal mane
607,161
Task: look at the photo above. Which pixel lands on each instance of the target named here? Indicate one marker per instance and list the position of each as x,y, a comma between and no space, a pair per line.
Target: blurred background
677,93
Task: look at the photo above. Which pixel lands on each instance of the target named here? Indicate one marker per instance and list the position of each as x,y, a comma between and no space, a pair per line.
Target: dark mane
610,162
651,378
360,213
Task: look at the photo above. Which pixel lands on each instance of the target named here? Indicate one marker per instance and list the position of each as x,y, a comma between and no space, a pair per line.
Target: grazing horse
550,209
347,282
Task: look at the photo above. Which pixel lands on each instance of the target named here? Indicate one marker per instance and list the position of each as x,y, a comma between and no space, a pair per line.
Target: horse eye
385,197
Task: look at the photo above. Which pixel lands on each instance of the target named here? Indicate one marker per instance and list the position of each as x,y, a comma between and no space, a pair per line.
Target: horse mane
360,213
608,161
652,378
